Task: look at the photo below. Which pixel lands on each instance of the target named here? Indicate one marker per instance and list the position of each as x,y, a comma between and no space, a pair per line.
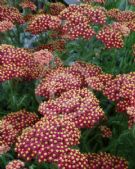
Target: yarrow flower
43,22
28,4
121,90
56,82
110,37
123,28
131,25
56,8
48,139
21,119
121,16
76,20
15,164
85,70
80,105
17,63
4,148
106,132
44,58
98,82
7,134
131,116
11,14
77,26
73,159
12,124
105,160
6,25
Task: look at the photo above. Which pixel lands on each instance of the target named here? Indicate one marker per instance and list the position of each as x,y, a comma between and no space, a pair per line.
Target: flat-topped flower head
21,119
6,26
7,133
105,160
48,139
17,63
4,148
80,105
28,4
98,82
121,89
56,8
15,164
11,14
110,37
42,23
73,159
58,81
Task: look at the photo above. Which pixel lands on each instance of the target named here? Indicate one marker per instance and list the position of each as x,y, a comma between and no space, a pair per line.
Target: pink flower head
15,164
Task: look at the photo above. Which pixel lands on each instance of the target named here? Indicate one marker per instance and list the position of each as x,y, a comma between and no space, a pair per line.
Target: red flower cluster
10,14
12,124
121,89
77,26
80,105
56,8
131,25
106,132
6,25
85,70
48,139
98,82
123,28
56,82
73,159
43,22
63,79
121,16
21,119
17,63
7,135
28,4
97,15
131,116
77,18
15,164
46,58
4,148
106,161
110,37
